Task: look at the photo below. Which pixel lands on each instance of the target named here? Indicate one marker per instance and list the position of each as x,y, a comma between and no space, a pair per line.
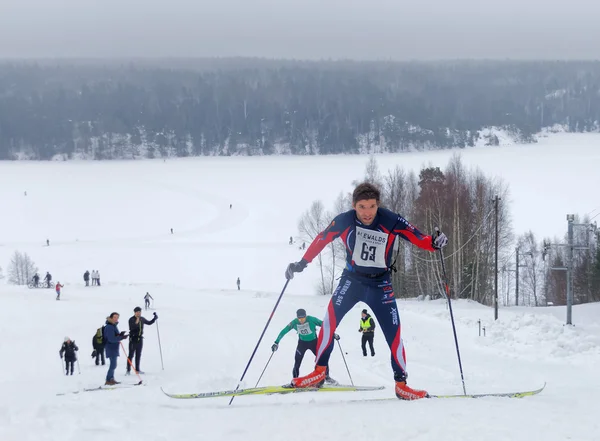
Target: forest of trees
108,110
460,202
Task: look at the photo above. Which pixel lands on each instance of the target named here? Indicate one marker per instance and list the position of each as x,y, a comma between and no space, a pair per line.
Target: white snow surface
115,217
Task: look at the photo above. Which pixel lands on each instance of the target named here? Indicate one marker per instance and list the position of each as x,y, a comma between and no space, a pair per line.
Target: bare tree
21,269
312,222
1,274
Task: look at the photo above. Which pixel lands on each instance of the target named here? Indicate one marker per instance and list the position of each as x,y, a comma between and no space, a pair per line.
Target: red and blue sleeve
339,227
410,233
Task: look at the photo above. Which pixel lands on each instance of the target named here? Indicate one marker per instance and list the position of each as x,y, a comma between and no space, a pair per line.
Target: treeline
461,202
104,110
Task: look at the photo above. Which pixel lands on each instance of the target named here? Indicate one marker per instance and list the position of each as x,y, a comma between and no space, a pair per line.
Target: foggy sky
306,29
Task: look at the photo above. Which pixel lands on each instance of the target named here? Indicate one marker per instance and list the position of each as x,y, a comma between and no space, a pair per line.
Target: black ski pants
302,347
135,348
100,355
367,337
70,363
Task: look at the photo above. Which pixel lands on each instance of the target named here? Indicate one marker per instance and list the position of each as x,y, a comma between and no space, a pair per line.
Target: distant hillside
107,110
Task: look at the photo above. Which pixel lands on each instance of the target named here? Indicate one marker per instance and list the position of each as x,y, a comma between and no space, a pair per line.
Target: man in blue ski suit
368,233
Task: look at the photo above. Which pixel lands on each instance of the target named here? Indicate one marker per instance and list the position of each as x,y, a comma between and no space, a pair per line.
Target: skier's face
137,314
366,210
301,319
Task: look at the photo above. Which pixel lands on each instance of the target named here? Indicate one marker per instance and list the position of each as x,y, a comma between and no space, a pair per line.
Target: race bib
369,248
304,329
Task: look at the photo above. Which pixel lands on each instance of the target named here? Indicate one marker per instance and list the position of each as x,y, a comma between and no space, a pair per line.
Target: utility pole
570,220
571,246
496,200
529,253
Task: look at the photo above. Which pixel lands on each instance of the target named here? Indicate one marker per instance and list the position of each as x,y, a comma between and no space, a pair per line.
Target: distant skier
367,327
291,240
306,327
112,339
147,298
238,283
86,278
58,287
303,245
48,242
93,277
368,233
48,279
230,206
136,337
25,193
68,349
171,230
97,277
98,345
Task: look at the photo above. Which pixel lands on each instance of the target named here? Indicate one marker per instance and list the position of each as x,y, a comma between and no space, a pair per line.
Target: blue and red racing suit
366,278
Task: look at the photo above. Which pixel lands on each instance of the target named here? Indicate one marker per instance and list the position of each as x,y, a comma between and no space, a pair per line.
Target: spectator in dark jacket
68,349
136,339
86,278
367,327
112,339
98,345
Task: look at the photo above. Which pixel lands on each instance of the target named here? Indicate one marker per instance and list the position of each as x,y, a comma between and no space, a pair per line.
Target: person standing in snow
368,232
86,278
367,327
68,349
238,283
136,337
112,339
58,287
97,277
98,345
147,298
93,277
36,279
306,327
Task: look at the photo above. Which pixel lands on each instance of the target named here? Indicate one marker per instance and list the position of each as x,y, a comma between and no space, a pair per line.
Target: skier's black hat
301,313
136,309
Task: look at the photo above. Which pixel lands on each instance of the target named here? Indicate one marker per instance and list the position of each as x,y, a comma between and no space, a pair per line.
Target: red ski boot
404,392
315,379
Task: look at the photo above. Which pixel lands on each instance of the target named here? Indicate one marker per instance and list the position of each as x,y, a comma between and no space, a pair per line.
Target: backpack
99,337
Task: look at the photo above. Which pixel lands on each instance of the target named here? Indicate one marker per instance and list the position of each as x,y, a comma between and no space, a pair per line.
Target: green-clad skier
306,327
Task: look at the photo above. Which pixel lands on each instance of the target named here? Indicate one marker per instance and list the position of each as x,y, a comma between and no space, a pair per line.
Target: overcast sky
307,29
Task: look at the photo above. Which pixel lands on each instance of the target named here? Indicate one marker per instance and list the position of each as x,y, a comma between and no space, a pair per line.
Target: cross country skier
68,349
368,233
306,327
58,287
136,337
147,298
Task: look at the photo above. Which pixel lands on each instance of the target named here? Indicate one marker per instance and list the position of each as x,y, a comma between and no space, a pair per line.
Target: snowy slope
116,217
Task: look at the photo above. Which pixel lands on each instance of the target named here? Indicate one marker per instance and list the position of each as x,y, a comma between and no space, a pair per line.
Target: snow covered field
116,217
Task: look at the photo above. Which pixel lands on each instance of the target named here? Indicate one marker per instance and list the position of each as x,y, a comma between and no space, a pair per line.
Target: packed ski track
116,217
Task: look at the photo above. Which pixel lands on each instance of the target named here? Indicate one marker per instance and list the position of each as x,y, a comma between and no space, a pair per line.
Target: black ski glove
438,240
336,337
296,267
274,347
155,316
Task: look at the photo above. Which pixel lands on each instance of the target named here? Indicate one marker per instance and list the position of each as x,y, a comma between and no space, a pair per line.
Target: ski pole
160,347
268,361
447,291
78,368
344,358
130,363
260,338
